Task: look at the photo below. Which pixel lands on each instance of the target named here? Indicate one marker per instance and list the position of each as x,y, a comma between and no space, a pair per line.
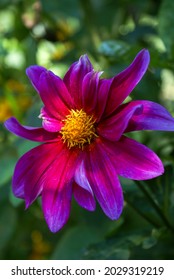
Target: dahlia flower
84,148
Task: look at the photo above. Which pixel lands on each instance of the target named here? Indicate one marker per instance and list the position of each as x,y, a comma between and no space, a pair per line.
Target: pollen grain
78,129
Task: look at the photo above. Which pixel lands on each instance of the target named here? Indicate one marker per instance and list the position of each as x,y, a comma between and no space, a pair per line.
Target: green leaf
162,189
74,242
113,48
106,250
7,162
65,8
8,221
4,3
166,23
149,242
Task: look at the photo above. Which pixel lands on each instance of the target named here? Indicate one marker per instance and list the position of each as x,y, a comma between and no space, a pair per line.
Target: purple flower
84,149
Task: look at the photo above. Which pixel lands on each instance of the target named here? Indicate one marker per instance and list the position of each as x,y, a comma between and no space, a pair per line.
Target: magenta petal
30,133
84,198
125,82
29,170
57,189
83,193
113,127
153,117
102,96
54,95
34,72
132,159
104,182
49,123
89,91
74,78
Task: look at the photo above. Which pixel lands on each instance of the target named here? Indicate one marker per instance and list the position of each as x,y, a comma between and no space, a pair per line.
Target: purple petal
84,198
54,95
30,133
29,170
132,159
103,180
83,193
57,189
89,91
113,127
34,72
125,82
102,96
153,117
49,123
74,78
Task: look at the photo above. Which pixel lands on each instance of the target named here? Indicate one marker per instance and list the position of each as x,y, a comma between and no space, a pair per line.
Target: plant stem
166,195
155,205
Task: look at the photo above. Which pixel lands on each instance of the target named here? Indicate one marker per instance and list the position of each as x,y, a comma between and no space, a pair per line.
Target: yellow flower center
78,129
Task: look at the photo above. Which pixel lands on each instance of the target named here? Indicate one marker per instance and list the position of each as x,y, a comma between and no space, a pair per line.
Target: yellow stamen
78,129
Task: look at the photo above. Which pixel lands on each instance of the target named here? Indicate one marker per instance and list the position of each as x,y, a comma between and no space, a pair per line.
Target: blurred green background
54,34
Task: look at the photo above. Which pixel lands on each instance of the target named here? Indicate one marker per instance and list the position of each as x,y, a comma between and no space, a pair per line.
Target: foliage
54,34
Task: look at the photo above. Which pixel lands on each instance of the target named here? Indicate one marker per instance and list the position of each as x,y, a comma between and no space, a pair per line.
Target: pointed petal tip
34,68
29,69
84,60
55,222
158,172
124,82
34,72
54,227
105,185
144,52
145,56
154,117
27,204
37,134
115,214
153,174
9,122
84,57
